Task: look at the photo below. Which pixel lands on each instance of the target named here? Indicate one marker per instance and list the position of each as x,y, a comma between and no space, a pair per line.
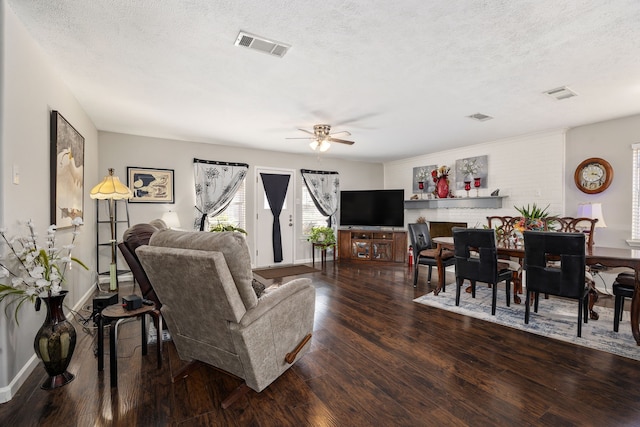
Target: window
235,212
635,227
311,216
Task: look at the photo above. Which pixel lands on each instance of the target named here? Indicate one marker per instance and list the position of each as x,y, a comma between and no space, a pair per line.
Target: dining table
596,256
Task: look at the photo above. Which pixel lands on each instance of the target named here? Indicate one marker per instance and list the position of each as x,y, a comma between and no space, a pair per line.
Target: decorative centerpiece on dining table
441,178
532,220
32,272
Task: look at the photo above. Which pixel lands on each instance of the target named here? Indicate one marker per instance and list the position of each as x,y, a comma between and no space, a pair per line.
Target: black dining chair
555,264
476,260
426,252
623,287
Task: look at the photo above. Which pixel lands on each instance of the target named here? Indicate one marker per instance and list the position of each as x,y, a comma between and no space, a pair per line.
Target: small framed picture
151,185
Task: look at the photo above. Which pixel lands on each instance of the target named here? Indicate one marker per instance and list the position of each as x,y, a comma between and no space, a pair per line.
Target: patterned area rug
556,318
277,272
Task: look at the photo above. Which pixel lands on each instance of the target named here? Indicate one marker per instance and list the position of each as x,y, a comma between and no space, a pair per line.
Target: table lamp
171,219
592,211
110,188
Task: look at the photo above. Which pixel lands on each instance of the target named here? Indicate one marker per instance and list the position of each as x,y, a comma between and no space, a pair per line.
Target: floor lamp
111,189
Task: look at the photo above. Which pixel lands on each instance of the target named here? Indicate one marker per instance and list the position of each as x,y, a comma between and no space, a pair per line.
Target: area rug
277,272
556,318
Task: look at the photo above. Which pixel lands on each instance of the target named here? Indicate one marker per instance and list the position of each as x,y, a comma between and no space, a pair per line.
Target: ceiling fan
322,137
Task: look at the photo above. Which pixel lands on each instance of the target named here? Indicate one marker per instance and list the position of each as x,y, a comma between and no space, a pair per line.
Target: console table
372,245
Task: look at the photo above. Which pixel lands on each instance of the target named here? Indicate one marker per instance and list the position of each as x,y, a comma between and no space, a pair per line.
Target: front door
268,253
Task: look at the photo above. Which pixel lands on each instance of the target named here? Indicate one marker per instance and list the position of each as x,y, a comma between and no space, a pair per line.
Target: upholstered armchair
204,283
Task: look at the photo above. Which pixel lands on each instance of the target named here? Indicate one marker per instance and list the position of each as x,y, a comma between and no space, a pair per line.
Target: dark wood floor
377,358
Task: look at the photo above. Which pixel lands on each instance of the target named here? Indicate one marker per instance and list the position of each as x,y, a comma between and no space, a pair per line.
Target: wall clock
593,176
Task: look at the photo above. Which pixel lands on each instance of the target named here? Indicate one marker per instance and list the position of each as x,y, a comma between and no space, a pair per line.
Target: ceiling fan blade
341,141
304,137
342,132
307,131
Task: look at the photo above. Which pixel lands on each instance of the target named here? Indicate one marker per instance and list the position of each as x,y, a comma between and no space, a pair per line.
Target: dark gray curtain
324,187
275,188
216,184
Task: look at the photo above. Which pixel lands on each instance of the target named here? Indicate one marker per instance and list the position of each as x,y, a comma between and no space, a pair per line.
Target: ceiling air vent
560,93
480,117
261,44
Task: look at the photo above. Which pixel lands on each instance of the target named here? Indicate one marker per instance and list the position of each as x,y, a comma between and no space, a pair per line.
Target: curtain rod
319,172
215,162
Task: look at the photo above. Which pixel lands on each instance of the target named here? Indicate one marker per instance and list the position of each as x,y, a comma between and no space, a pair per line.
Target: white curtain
216,184
324,187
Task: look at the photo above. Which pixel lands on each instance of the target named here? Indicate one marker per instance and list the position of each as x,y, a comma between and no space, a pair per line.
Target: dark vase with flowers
54,343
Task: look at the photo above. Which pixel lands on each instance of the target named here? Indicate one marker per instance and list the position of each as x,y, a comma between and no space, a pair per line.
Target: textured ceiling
400,76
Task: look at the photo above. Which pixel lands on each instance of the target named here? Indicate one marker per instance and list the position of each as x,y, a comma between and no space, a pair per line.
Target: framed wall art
151,185
472,167
67,172
423,173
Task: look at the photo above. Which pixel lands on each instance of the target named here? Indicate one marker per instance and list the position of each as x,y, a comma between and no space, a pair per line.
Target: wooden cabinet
374,246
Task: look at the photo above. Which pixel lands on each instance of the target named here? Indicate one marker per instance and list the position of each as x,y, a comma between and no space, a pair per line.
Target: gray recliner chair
204,283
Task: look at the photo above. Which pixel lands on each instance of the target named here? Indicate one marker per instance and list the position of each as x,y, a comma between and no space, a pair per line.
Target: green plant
533,212
532,218
323,236
226,227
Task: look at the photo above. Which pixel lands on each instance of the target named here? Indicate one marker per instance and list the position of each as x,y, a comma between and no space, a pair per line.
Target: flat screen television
372,208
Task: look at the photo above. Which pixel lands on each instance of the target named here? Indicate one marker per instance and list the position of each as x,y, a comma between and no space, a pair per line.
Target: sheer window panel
234,214
311,216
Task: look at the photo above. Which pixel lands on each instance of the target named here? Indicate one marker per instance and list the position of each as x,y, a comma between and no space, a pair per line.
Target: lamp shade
111,188
171,219
593,211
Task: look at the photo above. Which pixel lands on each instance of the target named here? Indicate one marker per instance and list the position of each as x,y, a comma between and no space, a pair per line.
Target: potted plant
226,227
322,236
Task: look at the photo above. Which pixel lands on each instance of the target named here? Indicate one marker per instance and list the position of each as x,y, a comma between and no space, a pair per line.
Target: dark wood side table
116,313
323,253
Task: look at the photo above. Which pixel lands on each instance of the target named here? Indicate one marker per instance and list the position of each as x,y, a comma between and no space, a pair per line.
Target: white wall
30,89
120,151
610,140
528,169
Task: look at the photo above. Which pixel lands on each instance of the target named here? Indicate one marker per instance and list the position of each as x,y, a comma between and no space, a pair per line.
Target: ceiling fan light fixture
324,146
314,144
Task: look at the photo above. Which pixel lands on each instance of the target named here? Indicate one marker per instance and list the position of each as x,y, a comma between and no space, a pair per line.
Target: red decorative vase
442,187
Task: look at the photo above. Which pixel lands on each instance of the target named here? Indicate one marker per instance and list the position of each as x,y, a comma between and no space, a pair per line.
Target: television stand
364,245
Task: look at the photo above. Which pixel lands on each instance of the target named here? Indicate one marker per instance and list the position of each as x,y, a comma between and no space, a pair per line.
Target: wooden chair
479,268
504,227
572,225
555,262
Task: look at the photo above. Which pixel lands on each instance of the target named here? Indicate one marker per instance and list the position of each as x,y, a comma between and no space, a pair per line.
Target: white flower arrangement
33,270
470,167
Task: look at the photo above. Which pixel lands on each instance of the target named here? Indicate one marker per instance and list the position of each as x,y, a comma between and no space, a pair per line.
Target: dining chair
426,252
584,226
623,287
555,265
569,224
476,260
